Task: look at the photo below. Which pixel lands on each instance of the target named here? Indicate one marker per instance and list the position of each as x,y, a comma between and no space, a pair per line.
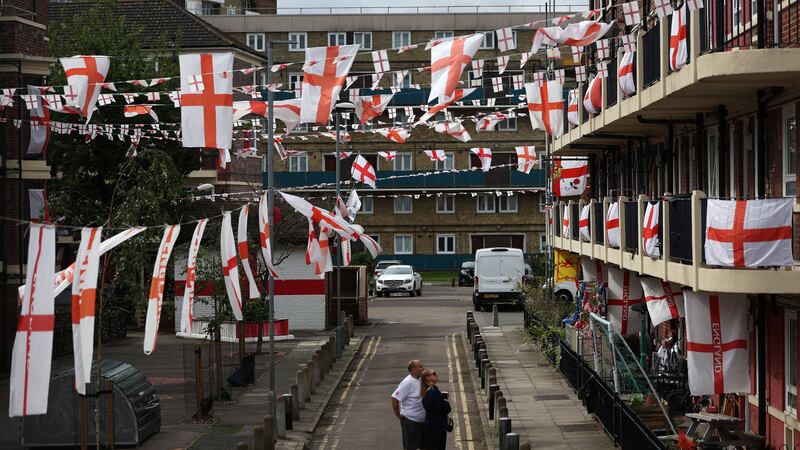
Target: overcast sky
401,3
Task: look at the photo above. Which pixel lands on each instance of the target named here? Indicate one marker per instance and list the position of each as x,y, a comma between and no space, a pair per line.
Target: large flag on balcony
664,300
546,106
323,76
569,177
625,75
716,343
566,267
677,40
612,225
575,34
650,241
207,100
624,291
594,270
593,98
572,108
749,233
362,171
565,223
583,223
448,60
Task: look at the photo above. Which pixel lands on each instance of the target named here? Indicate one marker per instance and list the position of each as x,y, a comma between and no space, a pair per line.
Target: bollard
300,395
314,371
525,446
500,403
497,396
280,418
318,374
482,354
352,329
308,388
346,331
489,382
492,389
482,371
486,375
242,446
294,391
289,411
269,433
258,438
502,413
495,316
505,428
512,441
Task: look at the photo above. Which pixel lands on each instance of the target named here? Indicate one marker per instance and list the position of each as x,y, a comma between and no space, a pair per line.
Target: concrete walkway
543,409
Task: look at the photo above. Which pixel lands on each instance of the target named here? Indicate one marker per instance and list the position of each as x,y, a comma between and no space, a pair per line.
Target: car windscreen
383,265
398,270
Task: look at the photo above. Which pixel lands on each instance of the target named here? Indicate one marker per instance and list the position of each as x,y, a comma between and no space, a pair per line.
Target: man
407,406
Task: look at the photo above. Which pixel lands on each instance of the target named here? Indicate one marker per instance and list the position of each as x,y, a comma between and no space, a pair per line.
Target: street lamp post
340,107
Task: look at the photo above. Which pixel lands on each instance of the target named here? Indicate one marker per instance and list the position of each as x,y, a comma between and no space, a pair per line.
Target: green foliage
547,329
209,270
363,259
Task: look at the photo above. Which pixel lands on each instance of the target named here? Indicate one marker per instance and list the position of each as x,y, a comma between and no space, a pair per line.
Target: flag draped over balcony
569,177
624,291
664,300
650,241
594,270
612,225
583,223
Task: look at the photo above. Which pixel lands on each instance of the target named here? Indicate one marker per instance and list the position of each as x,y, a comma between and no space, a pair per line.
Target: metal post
338,255
267,163
761,361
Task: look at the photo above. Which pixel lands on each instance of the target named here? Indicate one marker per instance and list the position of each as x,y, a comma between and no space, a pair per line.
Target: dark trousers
434,440
412,434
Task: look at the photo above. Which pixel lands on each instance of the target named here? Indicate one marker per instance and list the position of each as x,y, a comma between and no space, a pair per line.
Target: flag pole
273,407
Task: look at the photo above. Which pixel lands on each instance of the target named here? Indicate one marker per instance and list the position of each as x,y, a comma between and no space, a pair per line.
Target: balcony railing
651,53
560,6
682,224
471,179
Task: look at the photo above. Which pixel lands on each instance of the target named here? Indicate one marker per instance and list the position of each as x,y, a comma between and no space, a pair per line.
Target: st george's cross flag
313,250
593,98
583,223
575,34
84,297
371,106
572,108
207,100
156,296
264,234
630,11
230,266
380,60
244,251
623,293
395,134
388,155
85,77
506,39
362,171
749,233
458,94
287,111
663,8
370,244
319,216
323,81
677,39
716,343
324,262
526,158
569,177
664,300
40,123
612,225
625,76
594,270
546,106
139,110
454,129
32,353
484,156
490,121
448,60
436,155
565,230
187,307
650,243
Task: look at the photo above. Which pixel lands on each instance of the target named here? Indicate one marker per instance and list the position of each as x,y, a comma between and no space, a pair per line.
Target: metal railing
562,6
651,54
725,27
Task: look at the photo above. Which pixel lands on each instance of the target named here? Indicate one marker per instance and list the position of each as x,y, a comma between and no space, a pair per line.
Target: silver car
399,278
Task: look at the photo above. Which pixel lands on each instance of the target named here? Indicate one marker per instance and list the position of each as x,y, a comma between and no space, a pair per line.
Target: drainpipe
722,134
761,142
761,363
698,151
670,157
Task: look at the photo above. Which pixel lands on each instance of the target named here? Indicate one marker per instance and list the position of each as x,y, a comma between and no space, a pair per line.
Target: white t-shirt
407,393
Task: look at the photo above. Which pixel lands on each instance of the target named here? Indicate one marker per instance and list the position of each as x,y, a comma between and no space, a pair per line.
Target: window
447,164
486,203
298,163
789,152
488,40
737,13
363,38
543,243
542,202
401,39
509,124
790,361
256,41
445,204
403,244
337,39
296,83
445,244
403,205
367,205
402,161
298,41
443,34
507,204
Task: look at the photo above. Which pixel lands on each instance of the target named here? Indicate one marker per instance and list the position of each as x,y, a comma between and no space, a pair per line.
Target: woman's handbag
449,425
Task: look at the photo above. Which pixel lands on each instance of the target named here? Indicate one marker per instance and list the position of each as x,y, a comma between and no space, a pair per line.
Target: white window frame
447,164
258,38
486,210
399,158
411,242
506,125
367,200
404,38
507,209
487,35
446,237
543,243
333,38
736,14
362,34
301,44
443,34
410,204
443,207
298,162
787,340
788,176
295,76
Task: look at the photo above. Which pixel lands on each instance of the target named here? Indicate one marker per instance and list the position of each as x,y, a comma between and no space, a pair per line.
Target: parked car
466,273
382,265
399,278
498,277
565,291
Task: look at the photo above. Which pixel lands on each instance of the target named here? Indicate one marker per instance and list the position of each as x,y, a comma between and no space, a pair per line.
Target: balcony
682,226
472,179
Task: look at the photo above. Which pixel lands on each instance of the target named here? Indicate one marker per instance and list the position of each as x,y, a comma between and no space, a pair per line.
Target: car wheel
460,284
419,292
564,296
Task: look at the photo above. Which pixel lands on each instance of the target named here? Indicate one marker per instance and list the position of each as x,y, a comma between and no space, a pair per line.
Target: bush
546,329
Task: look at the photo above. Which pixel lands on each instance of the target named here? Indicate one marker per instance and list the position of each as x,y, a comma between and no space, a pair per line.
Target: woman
434,436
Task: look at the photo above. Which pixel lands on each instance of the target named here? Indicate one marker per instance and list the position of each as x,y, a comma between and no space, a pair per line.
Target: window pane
366,205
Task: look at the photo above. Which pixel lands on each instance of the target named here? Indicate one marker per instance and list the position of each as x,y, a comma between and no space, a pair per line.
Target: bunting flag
677,40
371,106
32,353
398,135
321,217
593,99
506,39
84,295
716,343
264,235
497,84
85,76
575,34
664,300
323,81
453,129
580,74
594,270
448,60
577,53
380,60
625,76
207,100
157,288
663,8
485,157
325,262
583,223
526,158
518,82
624,291
502,63
694,5
553,53
572,108
353,205
138,110
362,171
370,244
523,58
458,94
477,68
389,155
749,233
230,269
244,251
287,111
603,48
40,123
630,11
546,106
187,307
436,155
628,42
650,243
612,225
490,121
569,177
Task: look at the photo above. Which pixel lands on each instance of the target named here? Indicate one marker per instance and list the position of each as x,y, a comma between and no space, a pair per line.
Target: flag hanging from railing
623,293
569,177
664,300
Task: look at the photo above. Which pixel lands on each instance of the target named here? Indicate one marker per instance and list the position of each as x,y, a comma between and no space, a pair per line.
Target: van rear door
499,271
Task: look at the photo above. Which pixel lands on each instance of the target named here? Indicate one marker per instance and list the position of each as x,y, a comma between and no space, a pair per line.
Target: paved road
359,415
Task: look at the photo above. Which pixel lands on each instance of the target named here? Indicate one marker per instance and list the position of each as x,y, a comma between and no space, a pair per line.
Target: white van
498,277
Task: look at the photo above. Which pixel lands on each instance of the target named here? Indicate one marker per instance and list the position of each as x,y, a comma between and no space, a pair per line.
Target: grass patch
439,275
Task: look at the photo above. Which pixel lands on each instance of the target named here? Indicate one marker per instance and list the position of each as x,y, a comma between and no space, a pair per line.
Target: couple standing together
422,409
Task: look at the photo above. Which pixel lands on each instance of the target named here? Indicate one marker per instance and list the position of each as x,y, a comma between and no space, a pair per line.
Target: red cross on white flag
485,157
362,171
578,34
490,121
580,74
155,298
502,63
32,353
677,40
625,75
628,42
370,244
526,158
40,123
436,155
505,39
207,115
631,13
497,84
603,48
287,111
313,249
565,231
716,343
664,300
572,108
244,251
381,61
388,154
458,94
322,82
749,233
518,82
694,5
650,241
319,216
553,53
577,54
398,135
187,307
523,58
454,129
624,291
560,75
448,60
612,225
371,106
264,235
477,68
85,74
230,269
583,223
593,99
663,8
569,177
376,80
546,106
594,270
84,296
